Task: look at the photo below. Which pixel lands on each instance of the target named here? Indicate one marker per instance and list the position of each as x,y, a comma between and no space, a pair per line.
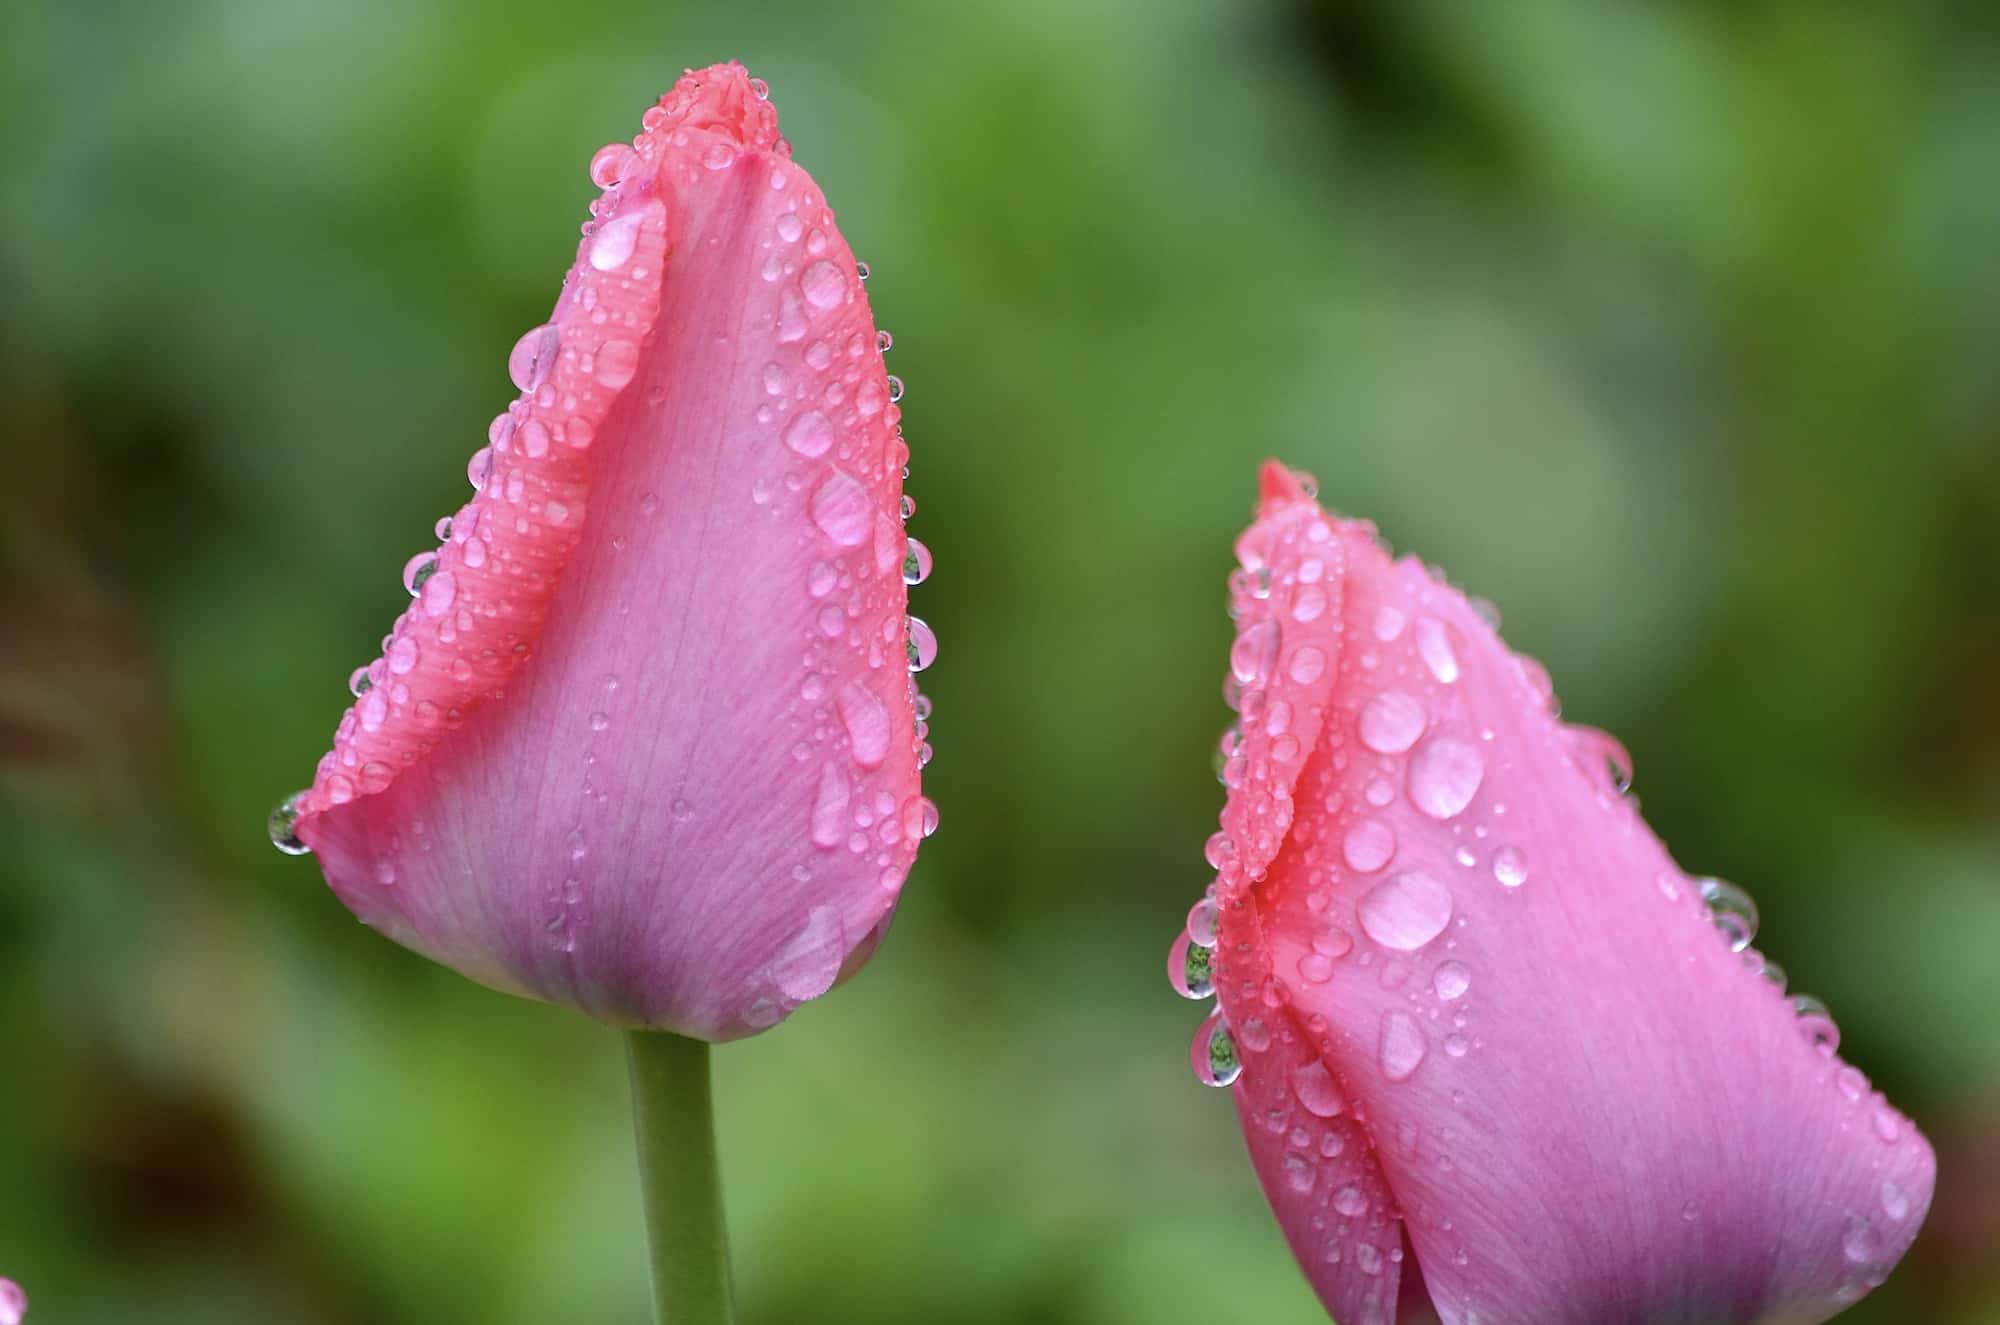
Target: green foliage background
1669,327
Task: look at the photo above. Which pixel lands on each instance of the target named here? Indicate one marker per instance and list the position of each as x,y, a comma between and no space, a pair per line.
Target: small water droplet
417,570
1350,1203
867,721
1816,1023
916,563
612,246
895,388
1308,664
1451,980
281,824
1862,1243
1434,647
1510,867
1405,911
1401,1048
1444,776
829,814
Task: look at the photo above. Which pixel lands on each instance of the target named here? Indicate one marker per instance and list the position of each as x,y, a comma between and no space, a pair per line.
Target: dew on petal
1314,1088
1402,1046
1391,722
1434,647
533,357
866,719
822,285
1213,1053
1444,776
1203,921
1405,911
1451,980
1510,867
281,825
1190,968
1255,652
1732,910
1368,845
809,434
841,508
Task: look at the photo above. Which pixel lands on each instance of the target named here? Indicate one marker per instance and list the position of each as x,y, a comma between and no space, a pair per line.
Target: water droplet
841,509
1862,1243
1895,1201
822,285
1510,867
1190,968
1254,652
1369,845
1816,1023
884,342
1434,647
895,388
610,164
1887,1125
916,563
442,529
281,824
1350,1203
829,814
1402,1046
1389,623
1203,921
1451,980
1392,722
1315,1089
358,682
920,818
533,357
611,247
1444,776
1405,911
418,569
1213,1053
440,590
922,645
867,721
1309,603
1308,664
1298,1171
479,468
617,363
809,434
1315,969
1732,910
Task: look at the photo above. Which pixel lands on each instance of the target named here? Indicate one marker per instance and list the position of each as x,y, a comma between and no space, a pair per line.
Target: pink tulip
646,743
1496,1049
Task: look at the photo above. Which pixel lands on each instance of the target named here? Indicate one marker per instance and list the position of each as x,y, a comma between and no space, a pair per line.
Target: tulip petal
1584,1103
654,755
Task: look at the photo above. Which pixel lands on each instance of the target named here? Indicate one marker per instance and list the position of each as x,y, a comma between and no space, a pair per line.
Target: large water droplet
1402,1046
1405,911
1308,664
1349,1203
611,247
281,824
1732,910
822,285
1369,845
1315,1088
1254,652
922,646
610,164
916,563
841,509
811,961
1203,921
1434,647
533,357
829,814
1510,867
867,721
1190,968
1444,776
1213,1053
1392,722
809,434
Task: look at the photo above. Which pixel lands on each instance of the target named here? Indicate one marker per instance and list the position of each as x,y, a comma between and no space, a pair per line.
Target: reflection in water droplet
281,824
1213,1053
916,563
1190,968
1732,910
533,357
922,645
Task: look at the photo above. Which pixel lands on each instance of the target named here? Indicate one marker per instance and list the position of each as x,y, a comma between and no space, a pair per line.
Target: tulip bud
646,742
1490,1046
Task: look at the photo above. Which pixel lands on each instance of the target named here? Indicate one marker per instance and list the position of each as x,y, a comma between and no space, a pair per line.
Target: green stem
682,1187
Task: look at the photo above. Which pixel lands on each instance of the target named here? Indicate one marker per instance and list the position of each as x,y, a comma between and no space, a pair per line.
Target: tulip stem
679,1180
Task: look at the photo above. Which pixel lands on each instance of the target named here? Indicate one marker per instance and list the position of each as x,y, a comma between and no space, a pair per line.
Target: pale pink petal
651,750
1585,1106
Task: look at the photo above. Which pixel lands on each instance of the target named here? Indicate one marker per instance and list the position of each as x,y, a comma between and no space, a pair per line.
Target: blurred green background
1671,328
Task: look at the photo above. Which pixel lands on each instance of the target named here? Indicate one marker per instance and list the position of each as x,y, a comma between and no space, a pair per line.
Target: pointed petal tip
1279,486
722,99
